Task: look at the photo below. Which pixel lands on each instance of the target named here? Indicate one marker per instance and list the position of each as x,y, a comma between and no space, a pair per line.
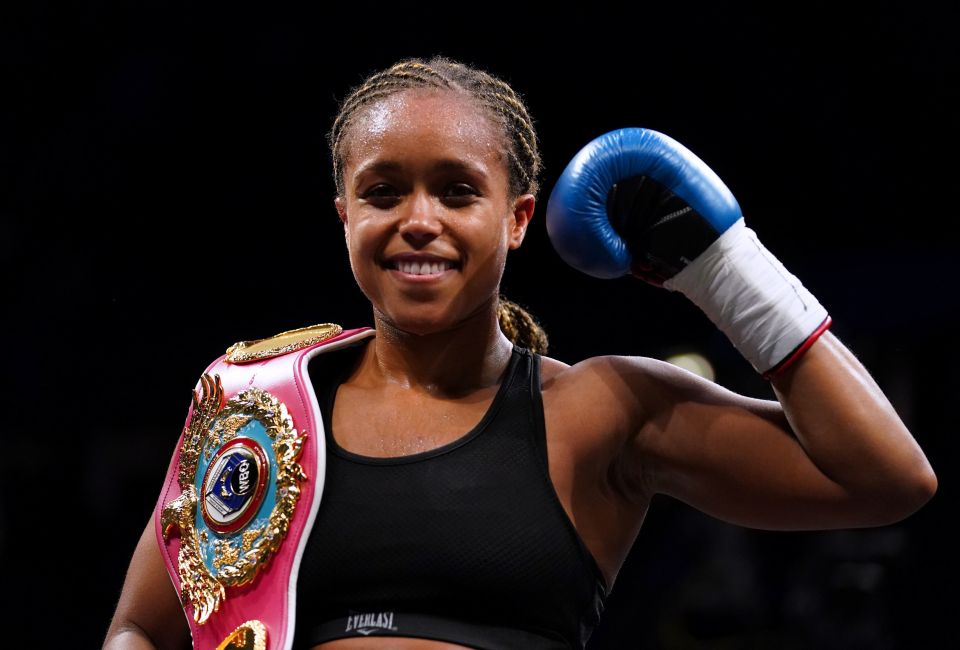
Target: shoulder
618,374
595,408
633,388
611,392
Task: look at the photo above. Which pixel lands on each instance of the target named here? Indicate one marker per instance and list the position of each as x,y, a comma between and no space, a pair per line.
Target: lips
420,264
424,268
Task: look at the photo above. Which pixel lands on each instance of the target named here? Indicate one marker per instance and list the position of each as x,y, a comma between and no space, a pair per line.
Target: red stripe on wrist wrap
778,369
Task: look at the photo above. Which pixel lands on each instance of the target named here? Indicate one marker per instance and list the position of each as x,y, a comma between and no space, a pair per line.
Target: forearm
852,433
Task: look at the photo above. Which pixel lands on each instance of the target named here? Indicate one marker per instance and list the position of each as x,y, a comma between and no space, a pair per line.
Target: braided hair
505,109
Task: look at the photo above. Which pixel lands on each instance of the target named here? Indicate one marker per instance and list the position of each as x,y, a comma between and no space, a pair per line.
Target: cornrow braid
505,109
525,156
502,102
520,327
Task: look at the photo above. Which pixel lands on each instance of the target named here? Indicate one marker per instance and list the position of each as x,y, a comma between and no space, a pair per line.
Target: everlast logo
369,623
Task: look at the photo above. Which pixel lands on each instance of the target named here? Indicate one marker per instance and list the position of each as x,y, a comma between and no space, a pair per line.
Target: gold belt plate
282,343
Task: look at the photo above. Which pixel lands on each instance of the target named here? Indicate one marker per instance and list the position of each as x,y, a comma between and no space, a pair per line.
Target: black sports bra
467,543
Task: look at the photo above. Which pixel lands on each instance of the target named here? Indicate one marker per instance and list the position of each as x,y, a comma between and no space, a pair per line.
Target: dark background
166,191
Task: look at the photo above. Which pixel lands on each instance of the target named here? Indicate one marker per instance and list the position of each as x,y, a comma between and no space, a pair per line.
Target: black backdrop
166,192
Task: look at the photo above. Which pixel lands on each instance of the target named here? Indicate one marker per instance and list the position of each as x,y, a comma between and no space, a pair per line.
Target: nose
421,221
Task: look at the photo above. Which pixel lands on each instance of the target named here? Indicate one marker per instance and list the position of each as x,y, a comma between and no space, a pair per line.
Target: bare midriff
392,642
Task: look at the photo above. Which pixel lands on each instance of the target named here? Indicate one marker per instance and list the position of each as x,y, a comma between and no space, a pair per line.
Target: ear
522,214
341,206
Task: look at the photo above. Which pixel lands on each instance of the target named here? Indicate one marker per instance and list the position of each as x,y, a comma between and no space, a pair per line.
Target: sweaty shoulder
605,398
641,384
630,382
622,393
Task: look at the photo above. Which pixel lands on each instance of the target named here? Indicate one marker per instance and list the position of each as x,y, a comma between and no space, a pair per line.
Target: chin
426,319
420,322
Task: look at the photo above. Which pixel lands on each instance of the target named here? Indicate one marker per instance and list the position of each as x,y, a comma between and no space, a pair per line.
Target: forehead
417,123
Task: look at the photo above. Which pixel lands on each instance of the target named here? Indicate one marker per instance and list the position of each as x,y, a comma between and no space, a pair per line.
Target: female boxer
481,495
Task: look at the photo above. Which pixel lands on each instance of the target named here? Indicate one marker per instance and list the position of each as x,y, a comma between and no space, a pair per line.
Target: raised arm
832,453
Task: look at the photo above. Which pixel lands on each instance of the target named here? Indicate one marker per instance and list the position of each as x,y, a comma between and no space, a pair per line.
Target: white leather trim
320,436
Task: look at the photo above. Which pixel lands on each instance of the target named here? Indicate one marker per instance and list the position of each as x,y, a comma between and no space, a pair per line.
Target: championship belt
243,489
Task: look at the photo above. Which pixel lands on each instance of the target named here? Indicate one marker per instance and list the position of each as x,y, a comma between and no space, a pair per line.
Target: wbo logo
234,485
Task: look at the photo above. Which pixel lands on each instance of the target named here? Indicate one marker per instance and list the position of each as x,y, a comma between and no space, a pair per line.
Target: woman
479,494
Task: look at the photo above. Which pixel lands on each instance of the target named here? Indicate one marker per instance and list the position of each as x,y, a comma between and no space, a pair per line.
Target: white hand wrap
763,309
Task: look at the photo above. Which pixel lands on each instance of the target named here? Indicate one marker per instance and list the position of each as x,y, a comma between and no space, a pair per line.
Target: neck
471,355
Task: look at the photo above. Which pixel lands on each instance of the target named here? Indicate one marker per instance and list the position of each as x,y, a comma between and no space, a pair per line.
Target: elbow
926,487
910,495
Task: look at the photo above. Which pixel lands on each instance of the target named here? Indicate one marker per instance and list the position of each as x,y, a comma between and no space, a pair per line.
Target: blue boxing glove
635,201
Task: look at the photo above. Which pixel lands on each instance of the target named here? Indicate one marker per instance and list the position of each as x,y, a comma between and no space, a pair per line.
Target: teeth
425,268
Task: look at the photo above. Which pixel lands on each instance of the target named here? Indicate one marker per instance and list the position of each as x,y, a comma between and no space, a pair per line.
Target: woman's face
427,213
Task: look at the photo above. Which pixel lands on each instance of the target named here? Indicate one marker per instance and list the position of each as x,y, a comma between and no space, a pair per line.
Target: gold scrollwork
197,586
224,430
251,635
282,343
235,565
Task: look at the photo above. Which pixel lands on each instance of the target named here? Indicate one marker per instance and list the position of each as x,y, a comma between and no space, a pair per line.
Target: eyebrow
446,164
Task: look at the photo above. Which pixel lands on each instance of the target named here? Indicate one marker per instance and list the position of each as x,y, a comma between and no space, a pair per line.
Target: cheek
491,253
360,255
359,237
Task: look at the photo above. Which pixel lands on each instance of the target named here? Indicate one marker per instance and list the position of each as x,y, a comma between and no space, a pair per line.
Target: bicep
730,456
149,609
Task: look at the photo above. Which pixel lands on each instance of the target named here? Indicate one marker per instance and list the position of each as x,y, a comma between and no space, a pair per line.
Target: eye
380,195
461,188
460,193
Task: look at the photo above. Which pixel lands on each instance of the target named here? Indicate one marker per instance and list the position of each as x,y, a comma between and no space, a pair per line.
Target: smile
420,267
423,268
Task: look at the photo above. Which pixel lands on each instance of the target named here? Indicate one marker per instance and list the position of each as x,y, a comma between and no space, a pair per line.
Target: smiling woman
400,175
403,219
456,488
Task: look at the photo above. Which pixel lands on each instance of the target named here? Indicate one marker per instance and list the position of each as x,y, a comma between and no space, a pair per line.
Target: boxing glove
637,201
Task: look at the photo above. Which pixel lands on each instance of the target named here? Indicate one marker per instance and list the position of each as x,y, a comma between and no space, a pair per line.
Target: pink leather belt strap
266,603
